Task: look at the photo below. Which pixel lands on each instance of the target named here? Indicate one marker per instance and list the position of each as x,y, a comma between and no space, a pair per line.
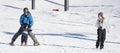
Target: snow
60,32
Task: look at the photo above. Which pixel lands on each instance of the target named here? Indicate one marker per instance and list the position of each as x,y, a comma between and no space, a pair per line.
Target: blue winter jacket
26,19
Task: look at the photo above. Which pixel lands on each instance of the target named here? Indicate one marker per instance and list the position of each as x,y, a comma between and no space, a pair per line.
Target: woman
101,31
26,18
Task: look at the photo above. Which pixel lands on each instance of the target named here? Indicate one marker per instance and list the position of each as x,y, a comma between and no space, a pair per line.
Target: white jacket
102,24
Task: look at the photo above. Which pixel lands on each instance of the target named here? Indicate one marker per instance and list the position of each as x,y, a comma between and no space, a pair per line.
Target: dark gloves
24,25
29,26
29,29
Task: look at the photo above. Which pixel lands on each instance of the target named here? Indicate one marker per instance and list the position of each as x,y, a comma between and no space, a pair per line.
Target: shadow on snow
76,36
9,33
12,7
68,35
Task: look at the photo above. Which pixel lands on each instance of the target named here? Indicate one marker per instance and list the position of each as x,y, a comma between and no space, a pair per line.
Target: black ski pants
101,37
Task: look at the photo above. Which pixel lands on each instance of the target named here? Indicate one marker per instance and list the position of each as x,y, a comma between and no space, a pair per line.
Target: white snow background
73,31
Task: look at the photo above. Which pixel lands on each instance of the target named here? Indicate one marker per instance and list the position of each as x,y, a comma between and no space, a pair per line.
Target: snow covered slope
60,32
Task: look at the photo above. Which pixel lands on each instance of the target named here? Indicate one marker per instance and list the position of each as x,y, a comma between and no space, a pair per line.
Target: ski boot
101,47
36,44
12,44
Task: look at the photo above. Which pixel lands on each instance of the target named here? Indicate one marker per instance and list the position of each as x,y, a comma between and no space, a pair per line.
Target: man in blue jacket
25,18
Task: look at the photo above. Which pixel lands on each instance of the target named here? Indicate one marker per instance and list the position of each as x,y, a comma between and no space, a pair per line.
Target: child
24,36
101,31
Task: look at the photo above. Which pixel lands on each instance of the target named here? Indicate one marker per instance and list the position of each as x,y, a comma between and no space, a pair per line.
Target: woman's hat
25,9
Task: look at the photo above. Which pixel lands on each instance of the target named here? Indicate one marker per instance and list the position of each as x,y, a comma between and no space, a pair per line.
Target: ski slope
60,32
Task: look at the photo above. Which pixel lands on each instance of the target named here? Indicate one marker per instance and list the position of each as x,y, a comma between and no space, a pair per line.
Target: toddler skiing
24,36
25,18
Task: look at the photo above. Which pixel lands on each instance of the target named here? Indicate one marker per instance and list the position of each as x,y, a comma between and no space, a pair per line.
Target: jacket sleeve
21,20
31,21
106,26
97,24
